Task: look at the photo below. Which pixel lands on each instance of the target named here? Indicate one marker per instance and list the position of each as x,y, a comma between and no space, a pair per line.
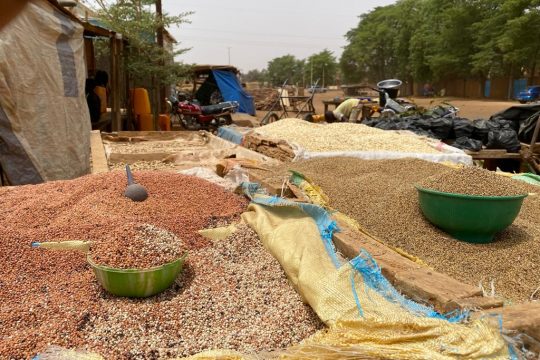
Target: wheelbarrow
307,107
134,283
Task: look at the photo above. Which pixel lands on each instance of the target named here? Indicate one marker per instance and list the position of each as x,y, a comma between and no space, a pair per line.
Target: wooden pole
162,93
534,139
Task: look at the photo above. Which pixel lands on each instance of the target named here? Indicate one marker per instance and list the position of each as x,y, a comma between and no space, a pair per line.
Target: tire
176,122
522,102
227,119
269,118
308,117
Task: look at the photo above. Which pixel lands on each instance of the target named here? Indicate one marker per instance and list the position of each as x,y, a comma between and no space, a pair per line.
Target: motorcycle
192,116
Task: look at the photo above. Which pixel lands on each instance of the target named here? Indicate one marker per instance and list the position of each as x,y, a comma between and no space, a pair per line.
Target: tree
255,75
437,39
137,21
283,68
445,39
323,66
519,41
488,57
379,46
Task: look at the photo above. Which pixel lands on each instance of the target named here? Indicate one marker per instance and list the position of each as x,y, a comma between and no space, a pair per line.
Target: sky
254,32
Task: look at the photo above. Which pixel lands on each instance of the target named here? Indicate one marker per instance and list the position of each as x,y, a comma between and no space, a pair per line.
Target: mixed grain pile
381,196
343,137
148,246
53,297
233,295
474,181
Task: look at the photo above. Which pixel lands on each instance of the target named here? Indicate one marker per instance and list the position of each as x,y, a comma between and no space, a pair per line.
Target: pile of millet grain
381,196
476,181
52,297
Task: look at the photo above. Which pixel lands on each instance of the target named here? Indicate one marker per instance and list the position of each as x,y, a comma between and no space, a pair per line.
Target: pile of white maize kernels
344,137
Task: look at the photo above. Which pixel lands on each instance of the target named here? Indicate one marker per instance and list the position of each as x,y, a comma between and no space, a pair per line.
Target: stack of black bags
495,133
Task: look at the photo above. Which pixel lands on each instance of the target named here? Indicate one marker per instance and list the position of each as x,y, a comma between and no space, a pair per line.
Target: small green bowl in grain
470,218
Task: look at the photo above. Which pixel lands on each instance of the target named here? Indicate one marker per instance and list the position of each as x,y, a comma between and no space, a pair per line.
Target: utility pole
229,53
311,83
162,93
323,66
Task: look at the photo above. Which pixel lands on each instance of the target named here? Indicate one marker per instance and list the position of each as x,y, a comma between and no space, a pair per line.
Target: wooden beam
418,282
99,159
523,318
493,154
115,44
131,158
272,190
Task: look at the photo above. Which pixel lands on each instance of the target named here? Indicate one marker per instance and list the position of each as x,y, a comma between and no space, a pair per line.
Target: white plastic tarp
446,153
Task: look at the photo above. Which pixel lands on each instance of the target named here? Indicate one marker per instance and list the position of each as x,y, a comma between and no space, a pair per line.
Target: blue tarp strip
232,90
230,134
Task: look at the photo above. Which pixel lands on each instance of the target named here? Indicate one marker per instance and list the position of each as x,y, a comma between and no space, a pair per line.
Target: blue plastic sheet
230,134
232,90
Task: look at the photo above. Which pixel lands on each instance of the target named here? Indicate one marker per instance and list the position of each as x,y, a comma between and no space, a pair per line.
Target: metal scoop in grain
134,191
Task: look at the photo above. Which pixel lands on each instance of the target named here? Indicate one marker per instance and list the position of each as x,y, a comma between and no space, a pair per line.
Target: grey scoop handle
129,176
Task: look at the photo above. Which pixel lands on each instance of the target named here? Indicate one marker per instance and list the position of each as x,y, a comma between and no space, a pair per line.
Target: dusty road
468,108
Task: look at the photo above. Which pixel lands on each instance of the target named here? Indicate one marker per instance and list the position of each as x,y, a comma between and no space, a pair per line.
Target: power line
254,42
273,10
250,33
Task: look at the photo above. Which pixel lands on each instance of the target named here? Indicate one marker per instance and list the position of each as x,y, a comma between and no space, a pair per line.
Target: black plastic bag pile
467,143
523,119
495,133
397,123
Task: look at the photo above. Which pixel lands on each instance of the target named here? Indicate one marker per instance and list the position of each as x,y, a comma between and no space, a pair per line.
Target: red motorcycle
192,116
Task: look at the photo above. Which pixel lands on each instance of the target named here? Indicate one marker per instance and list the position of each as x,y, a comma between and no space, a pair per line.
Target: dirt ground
468,108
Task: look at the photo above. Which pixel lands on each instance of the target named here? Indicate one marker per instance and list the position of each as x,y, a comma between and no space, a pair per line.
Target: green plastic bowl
137,283
470,218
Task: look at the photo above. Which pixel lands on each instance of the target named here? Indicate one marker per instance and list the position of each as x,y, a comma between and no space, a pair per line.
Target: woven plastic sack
387,326
528,178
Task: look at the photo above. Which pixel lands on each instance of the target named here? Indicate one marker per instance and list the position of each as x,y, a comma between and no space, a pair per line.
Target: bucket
141,101
164,122
391,86
145,122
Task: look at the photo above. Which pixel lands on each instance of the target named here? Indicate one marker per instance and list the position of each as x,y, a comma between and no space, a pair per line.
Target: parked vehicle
192,116
316,89
532,93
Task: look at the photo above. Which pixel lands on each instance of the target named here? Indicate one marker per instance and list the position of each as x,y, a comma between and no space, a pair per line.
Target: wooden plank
523,318
475,303
161,135
413,280
272,189
131,158
99,159
493,154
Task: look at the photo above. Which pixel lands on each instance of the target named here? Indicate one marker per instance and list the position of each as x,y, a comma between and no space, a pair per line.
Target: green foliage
255,75
324,67
436,39
299,72
137,21
283,68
